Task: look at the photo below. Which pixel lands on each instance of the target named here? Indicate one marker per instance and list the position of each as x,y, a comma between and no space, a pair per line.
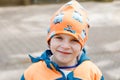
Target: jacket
44,69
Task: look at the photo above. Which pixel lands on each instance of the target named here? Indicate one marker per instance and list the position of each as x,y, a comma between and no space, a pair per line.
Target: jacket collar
47,53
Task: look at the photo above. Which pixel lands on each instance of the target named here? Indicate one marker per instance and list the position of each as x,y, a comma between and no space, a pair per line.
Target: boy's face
65,49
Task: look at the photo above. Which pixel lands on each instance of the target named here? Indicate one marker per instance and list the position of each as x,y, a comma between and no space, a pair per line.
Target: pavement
23,31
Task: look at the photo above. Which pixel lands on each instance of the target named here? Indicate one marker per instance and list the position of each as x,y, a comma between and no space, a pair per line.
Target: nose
65,45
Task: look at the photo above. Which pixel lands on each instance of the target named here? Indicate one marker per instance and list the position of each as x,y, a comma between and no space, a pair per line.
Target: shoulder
36,66
90,69
34,69
89,66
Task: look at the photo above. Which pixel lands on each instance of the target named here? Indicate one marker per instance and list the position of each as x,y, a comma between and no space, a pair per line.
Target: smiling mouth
63,52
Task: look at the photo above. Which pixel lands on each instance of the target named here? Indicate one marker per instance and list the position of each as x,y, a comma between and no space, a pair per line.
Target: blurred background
29,2
23,30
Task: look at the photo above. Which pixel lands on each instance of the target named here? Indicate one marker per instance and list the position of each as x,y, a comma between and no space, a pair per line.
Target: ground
23,31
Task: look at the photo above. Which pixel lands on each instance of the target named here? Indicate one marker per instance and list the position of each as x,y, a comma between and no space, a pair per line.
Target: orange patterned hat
70,19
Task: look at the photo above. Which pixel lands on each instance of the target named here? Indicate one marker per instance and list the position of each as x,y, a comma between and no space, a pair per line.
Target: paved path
23,32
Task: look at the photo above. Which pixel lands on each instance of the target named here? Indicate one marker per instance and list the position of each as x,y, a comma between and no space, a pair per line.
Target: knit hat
70,19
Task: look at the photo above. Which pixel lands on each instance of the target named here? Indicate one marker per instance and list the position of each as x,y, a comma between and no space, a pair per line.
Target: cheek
53,44
76,48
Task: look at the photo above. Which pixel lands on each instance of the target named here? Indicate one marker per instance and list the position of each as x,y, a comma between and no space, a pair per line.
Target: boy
66,58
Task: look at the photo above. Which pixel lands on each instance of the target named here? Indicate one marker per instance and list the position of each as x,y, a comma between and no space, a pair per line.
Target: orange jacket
44,69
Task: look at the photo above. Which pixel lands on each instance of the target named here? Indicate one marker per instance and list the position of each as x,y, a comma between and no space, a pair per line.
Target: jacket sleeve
22,77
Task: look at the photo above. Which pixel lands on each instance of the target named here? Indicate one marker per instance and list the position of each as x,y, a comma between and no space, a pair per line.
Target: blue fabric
45,56
34,59
83,56
102,78
22,78
71,77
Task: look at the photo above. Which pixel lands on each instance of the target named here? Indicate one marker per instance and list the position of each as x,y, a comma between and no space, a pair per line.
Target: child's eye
58,37
74,40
